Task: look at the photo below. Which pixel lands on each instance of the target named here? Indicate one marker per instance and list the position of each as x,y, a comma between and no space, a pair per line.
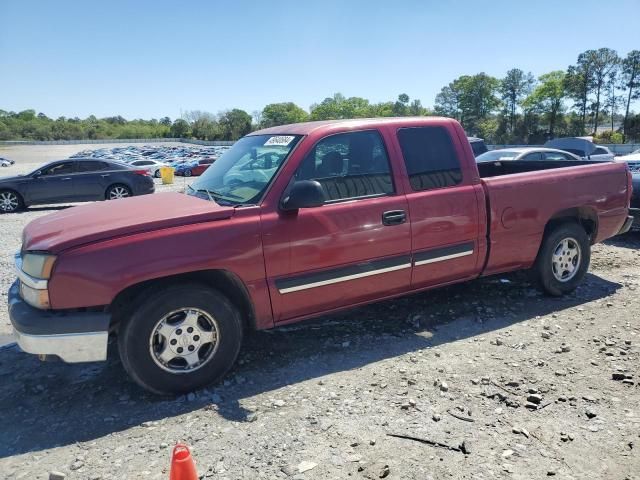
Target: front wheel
180,338
187,173
563,259
10,201
157,173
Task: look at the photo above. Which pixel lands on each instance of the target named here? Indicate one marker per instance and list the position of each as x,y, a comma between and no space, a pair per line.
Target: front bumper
71,336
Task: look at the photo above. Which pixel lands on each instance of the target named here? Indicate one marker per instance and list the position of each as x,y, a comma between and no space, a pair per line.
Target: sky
155,58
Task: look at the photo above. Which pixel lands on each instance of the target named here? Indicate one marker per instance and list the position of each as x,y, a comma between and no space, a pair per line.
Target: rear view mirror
303,194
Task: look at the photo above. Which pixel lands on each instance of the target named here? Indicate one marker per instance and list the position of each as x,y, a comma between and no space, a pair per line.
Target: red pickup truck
293,222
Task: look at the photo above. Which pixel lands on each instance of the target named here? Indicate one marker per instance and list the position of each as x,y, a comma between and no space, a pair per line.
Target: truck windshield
241,175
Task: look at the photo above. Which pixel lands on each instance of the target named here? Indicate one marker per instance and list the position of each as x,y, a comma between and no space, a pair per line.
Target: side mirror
303,194
37,174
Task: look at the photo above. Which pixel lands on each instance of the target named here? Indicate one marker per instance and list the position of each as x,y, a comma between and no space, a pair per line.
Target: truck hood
105,220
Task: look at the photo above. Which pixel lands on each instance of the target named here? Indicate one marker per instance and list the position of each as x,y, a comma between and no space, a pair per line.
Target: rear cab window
430,157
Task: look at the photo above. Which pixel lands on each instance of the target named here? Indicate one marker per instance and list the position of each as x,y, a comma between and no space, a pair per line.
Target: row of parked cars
185,160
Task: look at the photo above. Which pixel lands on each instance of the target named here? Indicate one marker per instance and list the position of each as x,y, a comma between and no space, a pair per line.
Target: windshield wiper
213,196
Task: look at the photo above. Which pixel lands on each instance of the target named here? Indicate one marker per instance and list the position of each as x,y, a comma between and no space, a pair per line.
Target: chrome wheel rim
184,340
565,261
8,201
118,192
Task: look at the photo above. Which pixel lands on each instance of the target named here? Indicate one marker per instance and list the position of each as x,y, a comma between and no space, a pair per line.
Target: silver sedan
527,153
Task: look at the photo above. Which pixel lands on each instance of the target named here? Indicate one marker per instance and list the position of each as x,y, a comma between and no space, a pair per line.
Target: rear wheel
187,173
10,201
563,258
157,173
114,192
180,338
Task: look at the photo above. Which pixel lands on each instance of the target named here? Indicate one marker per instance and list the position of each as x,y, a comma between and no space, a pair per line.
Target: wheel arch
224,281
586,216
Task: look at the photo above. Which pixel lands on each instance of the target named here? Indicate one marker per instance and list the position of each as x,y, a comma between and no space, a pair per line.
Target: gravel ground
491,379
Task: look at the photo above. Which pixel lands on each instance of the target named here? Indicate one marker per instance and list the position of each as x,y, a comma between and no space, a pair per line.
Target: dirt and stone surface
488,379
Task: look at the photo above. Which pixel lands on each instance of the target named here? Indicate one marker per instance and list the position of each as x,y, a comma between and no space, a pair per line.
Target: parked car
632,160
527,153
344,213
583,148
194,168
635,200
5,162
73,180
151,166
477,145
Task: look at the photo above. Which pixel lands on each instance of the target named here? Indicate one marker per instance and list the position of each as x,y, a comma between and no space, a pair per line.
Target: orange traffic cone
182,465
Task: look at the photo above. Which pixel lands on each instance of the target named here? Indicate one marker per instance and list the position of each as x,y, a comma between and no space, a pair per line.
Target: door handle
394,217
65,179
105,175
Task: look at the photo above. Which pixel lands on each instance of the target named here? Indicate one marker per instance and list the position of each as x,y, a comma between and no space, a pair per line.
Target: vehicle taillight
141,172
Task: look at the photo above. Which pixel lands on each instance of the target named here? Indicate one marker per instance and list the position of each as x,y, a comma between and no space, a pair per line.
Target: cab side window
430,158
64,168
349,166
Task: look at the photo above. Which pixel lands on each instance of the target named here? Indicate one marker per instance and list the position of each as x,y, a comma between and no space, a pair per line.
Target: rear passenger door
92,180
443,206
354,248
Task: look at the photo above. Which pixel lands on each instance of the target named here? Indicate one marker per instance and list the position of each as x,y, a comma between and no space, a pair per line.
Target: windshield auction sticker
280,140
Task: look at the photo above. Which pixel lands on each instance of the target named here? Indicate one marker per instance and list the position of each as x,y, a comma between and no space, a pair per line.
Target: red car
298,221
194,169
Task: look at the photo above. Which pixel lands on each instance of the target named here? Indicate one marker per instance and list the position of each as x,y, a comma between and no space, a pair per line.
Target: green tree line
594,96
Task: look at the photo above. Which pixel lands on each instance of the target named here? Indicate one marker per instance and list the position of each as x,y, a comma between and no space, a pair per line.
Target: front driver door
354,248
54,184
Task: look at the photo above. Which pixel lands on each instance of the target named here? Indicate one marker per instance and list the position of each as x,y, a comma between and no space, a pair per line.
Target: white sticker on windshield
280,140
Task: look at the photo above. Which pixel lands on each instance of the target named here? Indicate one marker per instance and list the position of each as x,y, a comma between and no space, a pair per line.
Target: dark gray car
73,180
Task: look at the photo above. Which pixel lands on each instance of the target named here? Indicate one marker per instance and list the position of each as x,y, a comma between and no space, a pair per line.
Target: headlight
38,265
35,298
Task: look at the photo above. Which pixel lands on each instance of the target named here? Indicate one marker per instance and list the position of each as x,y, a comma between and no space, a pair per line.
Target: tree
234,124
603,61
282,114
447,101
612,100
401,106
338,106
547,98
180,128
579,83
630,79
514,87
204,128
166,121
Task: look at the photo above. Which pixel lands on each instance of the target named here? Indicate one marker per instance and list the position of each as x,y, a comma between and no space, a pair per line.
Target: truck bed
499,168
522,197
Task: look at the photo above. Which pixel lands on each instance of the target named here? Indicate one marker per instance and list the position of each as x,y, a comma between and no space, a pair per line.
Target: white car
5,162
583,148
632,159
526,153
151,166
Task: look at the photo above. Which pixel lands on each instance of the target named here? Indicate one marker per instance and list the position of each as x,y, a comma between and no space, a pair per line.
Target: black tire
136,332
10,201
113,190
545,270
157,173
187,173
